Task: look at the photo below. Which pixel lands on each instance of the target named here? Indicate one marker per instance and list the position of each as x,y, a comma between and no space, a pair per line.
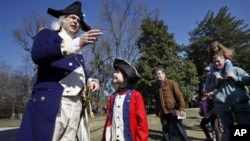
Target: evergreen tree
224,28
159,50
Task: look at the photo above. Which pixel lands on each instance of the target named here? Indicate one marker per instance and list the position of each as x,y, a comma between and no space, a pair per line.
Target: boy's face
118,77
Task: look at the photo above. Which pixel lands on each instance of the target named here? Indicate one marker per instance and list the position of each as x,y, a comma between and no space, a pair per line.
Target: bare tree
4,75
25,34
120,21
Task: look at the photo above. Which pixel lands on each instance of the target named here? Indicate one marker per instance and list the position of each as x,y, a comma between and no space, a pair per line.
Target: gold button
33,100
42,98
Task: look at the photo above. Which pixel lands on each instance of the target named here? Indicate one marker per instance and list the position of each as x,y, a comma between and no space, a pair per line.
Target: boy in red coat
126,114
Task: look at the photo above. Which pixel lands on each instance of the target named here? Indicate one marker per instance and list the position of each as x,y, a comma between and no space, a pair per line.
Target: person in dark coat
207,111
55,109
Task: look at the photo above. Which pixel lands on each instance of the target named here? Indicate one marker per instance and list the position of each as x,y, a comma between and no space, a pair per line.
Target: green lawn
97,123
9,123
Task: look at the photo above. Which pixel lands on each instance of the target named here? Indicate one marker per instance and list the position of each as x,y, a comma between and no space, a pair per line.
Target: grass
9,123
97,123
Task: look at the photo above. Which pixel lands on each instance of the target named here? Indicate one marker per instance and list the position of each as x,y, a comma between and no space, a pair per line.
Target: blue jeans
229,118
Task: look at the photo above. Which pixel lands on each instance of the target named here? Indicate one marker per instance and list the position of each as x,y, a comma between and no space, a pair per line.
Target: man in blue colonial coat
55,110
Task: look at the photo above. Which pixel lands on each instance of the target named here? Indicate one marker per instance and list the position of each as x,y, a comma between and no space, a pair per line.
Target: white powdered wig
57,23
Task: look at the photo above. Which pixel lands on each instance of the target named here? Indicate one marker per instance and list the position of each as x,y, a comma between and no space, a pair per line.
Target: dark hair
131,82
124,74
161,69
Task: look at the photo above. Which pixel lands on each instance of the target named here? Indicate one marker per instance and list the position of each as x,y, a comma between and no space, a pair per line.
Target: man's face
219,62
160,75
71,24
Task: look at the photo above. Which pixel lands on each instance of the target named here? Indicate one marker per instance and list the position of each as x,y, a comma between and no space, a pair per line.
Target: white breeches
68,119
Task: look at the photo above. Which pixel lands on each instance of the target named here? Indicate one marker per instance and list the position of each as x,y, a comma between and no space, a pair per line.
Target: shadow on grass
155,134
91,131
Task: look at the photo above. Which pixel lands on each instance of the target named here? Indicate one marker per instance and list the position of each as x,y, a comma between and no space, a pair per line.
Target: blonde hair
226,52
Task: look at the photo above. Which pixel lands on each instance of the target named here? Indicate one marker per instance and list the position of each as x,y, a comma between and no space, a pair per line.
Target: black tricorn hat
74,8
128,69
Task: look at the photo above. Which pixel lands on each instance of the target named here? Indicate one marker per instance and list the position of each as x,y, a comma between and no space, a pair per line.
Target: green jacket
231,95
168,95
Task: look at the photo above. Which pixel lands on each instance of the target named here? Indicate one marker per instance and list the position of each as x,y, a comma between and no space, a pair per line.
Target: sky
181,17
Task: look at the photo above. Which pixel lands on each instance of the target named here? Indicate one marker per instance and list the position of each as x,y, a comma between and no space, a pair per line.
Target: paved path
7,128
8,134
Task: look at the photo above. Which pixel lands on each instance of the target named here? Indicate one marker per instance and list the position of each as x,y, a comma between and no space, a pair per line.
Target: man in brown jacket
169,106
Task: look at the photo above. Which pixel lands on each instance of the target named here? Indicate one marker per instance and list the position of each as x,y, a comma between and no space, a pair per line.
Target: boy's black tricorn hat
74,8
128,69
